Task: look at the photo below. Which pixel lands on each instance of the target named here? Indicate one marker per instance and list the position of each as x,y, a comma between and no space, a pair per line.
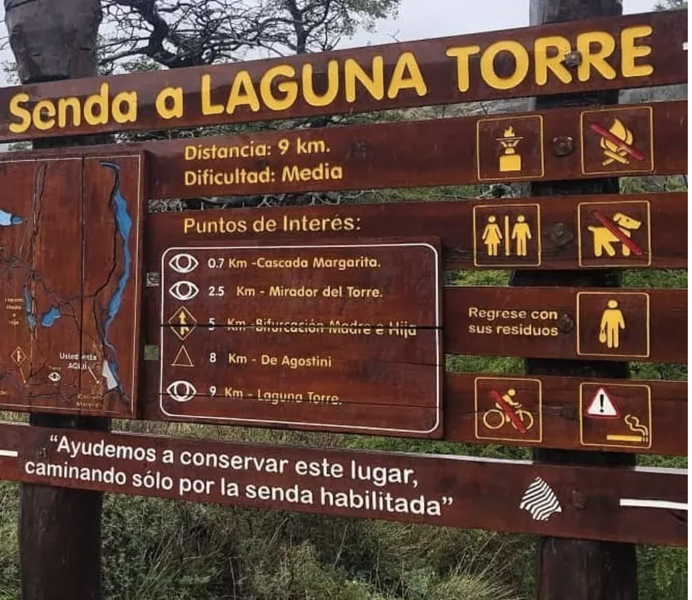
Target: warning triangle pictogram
603,405
182,359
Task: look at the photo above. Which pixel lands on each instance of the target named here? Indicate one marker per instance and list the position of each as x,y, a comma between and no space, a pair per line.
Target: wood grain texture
651,419
579,502
558,144
559,409
569,323
563,229
54,41
444,64
563,400
555,144
311,328
71,299
571,569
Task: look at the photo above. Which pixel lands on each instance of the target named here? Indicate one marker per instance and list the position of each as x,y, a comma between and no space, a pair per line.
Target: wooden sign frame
76,345
647,506
364,317
644,50
560,229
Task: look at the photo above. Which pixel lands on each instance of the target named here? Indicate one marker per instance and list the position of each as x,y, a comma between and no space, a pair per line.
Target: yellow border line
541,144
605,441
614,171
615,293
631,264
514,439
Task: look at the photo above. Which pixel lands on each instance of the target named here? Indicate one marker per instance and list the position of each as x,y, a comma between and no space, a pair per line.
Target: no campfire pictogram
621,146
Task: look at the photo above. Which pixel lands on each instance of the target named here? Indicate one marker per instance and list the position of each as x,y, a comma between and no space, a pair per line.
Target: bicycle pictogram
508,411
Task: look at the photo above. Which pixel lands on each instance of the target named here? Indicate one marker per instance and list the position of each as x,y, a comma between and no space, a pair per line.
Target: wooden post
577,569
60,529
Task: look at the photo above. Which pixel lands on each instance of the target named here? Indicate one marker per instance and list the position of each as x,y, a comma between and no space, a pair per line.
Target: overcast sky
436,18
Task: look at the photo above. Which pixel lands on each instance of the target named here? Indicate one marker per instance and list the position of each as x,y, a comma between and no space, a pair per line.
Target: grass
164,550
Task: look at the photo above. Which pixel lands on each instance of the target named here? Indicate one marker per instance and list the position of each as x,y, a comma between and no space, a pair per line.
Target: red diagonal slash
509,411
631,150
610,226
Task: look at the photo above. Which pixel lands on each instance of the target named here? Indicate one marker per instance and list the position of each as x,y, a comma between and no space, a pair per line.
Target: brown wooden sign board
561,144
344,336
647,506
614,53
566,232
568,413
587,324
70,271
643,417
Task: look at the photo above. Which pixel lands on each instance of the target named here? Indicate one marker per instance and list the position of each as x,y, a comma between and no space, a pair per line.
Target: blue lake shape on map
123,222
53,313
8,219
50,316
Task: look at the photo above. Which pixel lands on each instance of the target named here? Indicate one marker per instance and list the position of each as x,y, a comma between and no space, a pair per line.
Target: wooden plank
554,412
48,280
559,412
66,288
564,397
566,232
548,322
559,144
546,145
113,222
15,266
562,421
301,334
647,506
633,51
596,324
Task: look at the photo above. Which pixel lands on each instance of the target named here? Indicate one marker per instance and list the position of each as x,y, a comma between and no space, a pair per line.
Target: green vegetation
671,5
159,549
166,550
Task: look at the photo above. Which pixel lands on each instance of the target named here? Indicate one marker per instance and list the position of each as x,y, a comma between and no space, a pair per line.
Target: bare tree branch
181,33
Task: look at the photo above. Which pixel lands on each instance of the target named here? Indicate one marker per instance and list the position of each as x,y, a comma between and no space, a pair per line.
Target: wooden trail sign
644,417
551,322
548,145
70,271
566,232
567,413
560,144
657,213
615,53
317,328
647,506
326,318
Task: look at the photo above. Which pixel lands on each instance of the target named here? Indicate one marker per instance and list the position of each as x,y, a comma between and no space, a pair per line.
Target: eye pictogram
181,391
183,263
54,376
184,291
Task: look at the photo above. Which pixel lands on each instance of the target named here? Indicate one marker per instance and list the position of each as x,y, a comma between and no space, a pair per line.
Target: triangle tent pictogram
603,405
182,359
